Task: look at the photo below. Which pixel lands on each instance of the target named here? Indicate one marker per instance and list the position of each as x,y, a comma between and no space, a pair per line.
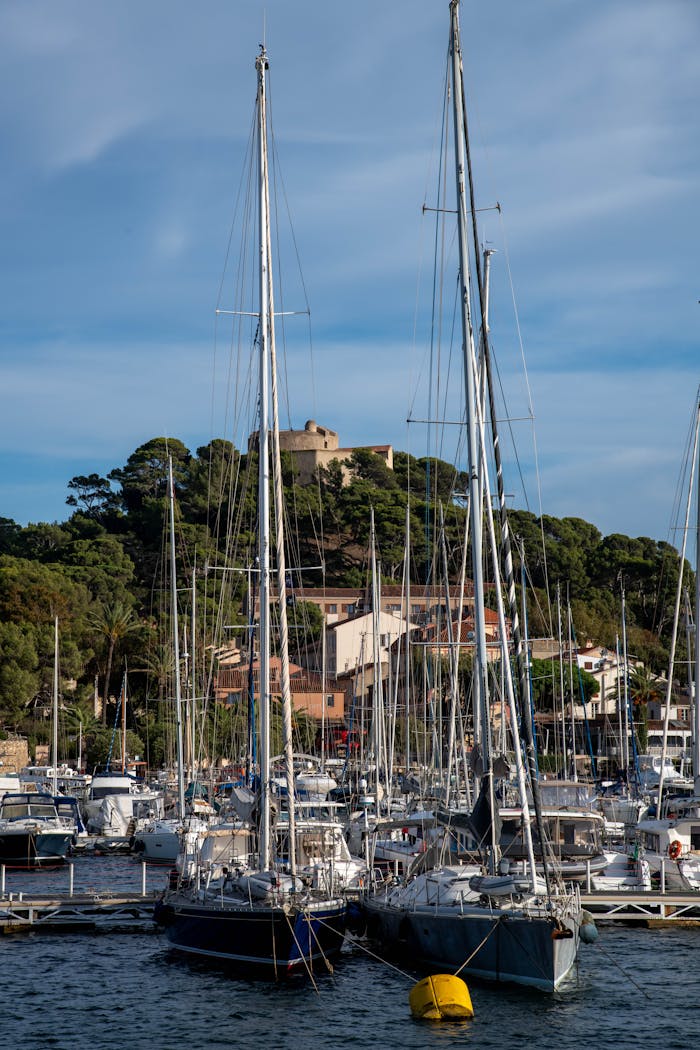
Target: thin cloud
124,127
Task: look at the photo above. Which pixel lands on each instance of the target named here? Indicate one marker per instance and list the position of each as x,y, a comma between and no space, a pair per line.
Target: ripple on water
634,990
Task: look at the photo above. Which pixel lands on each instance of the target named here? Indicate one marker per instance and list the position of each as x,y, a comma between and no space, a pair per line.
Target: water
110,991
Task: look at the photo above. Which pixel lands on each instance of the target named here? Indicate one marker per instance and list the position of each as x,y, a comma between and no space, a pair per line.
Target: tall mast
54,762
193,668
625,682
407,647
696,676
285,686
481,720
261,64
565,757
176,646
124,723
377,691
462,153
676,614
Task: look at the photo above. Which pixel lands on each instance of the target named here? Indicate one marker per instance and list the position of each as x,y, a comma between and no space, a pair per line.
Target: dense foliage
104,573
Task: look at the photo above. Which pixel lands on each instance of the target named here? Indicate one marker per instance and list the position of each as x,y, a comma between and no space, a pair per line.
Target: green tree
91,494
144,478
114,622
546,684
19,670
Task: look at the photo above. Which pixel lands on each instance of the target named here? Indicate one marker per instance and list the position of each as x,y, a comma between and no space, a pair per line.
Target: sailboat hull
272,939
509,947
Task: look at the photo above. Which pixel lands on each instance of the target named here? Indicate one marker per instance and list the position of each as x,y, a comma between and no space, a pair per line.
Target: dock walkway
644,908
103,911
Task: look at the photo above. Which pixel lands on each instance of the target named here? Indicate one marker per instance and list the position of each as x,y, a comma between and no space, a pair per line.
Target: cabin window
568,834
695,836
113,789
14,811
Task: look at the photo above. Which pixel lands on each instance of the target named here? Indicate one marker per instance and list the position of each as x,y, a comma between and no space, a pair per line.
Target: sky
123,131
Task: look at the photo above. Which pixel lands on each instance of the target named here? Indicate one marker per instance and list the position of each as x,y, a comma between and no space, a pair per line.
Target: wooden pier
644,908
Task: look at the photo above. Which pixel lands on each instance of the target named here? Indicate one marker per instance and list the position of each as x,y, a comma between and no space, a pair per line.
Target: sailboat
498,924
260,914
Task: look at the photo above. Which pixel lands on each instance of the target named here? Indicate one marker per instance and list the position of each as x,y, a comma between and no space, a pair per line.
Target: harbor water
634,989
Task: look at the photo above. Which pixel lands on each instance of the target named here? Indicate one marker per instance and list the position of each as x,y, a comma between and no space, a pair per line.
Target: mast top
262,61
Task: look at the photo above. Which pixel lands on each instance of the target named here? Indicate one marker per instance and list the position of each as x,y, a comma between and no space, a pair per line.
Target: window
333,608
350,610
330,700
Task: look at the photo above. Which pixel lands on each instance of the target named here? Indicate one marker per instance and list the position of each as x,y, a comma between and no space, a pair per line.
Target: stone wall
14,754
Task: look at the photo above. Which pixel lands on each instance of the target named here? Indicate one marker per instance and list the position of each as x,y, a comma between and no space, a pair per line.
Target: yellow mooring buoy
442,997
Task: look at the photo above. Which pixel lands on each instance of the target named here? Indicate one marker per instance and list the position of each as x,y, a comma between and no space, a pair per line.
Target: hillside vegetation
104,573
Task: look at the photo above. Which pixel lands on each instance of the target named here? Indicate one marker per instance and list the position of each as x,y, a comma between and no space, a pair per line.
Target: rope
525,951
386,962
312,931
624,972
309,973
478,948
274,942
375,956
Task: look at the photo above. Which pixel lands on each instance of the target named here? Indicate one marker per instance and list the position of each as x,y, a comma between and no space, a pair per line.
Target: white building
350,643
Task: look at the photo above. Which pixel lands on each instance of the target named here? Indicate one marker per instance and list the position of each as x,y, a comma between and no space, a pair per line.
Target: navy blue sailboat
254,910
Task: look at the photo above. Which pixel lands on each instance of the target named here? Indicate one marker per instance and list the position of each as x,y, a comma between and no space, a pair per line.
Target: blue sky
123,128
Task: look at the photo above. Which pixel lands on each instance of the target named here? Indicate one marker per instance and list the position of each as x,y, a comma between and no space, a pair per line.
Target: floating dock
91,912
644,908
108,910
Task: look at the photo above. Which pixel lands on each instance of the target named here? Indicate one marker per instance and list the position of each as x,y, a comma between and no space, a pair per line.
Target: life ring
674,849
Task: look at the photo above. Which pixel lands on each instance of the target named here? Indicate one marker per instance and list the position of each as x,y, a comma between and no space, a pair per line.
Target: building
307,690
350,643
317,446
427,604
608,670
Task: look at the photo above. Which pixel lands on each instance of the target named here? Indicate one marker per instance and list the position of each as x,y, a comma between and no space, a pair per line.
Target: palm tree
159,665
114,622
644,687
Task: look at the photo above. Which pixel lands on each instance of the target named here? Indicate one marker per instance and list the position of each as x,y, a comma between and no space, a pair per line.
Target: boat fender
588,931
674,849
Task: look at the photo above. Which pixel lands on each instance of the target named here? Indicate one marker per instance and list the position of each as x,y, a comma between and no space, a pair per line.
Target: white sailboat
494,924
261,915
